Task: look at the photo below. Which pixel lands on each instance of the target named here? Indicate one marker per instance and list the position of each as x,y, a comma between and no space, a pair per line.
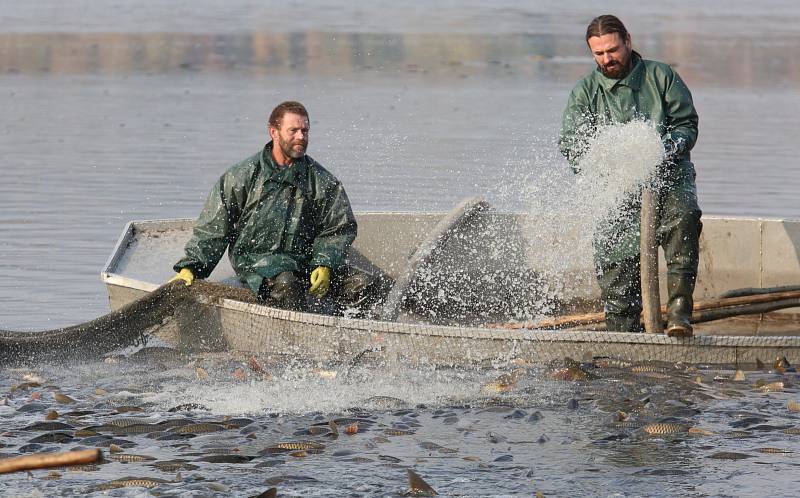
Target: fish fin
418,486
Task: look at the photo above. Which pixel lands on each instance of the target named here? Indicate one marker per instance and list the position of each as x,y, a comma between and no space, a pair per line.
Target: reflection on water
702,59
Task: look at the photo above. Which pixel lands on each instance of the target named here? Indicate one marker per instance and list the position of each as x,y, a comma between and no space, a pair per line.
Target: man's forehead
605,41
293,119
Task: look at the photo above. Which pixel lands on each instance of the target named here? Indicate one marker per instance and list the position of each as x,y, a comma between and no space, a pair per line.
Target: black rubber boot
679,305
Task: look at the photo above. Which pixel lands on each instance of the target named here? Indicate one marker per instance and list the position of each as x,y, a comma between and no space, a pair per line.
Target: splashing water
566,210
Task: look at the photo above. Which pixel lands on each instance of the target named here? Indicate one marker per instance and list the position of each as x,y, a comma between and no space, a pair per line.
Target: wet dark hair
605,25
289,106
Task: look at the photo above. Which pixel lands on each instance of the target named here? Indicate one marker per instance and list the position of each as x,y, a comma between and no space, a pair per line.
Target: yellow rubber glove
320,281
185,275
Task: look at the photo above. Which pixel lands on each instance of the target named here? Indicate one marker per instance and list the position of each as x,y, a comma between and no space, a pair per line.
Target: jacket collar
632,80
272,173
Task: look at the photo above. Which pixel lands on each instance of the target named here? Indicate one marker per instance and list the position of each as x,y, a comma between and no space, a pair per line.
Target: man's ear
628,41
273,132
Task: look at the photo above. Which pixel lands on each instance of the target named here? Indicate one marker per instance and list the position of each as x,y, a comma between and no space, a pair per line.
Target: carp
47,426
729,455
200,428
661,428
417,485
129,457
700,432
63,398
648,369
131,482
124,422
397,432
173,465
503,383
773,450
307,446
772,387
738,434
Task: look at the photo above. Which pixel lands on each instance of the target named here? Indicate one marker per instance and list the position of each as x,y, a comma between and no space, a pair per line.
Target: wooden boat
736,253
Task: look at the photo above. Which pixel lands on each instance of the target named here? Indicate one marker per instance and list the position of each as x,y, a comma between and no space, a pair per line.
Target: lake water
114,111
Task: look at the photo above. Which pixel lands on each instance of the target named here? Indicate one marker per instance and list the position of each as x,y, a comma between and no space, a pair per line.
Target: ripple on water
288,429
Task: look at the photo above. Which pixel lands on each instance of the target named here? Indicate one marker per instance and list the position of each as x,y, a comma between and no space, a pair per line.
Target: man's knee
284,290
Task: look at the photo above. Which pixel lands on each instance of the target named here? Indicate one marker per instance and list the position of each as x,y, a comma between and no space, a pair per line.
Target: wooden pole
49,460
648,254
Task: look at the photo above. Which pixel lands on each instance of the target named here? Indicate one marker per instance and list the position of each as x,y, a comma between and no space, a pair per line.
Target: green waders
678,233
350,288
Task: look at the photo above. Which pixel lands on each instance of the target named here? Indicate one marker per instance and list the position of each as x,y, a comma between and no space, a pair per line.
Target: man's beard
617,71
289,151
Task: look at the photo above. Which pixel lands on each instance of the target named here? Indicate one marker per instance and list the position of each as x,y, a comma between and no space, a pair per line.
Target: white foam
565,209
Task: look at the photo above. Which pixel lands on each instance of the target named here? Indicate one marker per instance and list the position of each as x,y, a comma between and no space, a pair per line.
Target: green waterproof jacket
652,91
272,220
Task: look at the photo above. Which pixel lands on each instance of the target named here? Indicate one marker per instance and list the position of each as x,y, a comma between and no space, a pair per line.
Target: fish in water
128,408
138,429
569,374
772,387
662,429
729,455
52,437
738,434
417,485
201,428
270,493
63,398
700,432
385,402
47,426
428,445
173,465
307,446
225,459
397,432
124,422
773,450
503,383
131,482
793,406
129,457
648,369
188,407
781,364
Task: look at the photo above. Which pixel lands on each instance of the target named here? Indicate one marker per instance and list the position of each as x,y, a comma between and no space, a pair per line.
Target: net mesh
262,329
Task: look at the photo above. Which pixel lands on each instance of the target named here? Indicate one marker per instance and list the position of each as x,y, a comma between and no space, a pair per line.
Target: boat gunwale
537,335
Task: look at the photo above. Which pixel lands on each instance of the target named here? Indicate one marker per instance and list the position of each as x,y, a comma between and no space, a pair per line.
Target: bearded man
623,87
285,220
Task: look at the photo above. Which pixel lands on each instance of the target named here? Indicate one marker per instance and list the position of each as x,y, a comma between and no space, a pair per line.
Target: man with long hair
623,87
